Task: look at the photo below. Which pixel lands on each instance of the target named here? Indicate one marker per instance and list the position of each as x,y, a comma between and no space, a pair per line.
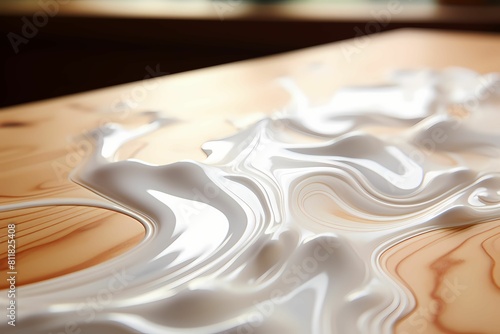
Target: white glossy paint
281,228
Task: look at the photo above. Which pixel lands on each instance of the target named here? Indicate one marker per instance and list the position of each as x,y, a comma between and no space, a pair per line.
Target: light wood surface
445,270
40,143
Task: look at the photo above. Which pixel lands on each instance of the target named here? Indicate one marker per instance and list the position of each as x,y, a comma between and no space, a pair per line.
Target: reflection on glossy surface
299,223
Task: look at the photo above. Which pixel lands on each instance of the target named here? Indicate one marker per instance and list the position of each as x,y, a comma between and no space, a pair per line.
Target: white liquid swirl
281,228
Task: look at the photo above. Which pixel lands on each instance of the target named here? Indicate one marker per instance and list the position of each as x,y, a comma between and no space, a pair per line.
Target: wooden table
40,143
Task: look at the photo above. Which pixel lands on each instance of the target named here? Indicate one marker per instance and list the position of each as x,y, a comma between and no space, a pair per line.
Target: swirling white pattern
280,230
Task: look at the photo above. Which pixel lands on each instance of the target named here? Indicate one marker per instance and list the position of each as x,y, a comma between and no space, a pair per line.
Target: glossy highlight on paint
344,217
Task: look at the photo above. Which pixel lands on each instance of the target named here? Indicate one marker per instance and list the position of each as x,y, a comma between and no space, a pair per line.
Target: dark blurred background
56,47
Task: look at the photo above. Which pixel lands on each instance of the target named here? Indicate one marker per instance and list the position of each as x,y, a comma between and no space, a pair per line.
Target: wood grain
57,240
38,151
454,275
